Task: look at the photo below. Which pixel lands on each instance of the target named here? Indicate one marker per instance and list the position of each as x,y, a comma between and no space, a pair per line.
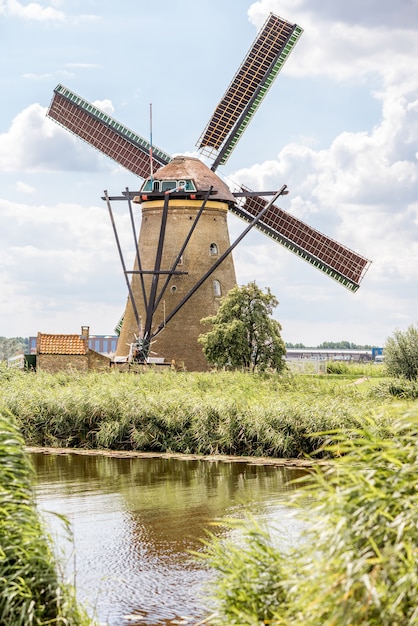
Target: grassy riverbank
221,413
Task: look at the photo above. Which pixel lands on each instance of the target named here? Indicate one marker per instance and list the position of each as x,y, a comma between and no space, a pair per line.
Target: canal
133,523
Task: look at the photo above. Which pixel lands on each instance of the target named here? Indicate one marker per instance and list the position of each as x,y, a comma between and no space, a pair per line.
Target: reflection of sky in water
134,521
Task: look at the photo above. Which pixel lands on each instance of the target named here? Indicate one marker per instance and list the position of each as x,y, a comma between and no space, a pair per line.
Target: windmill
183,260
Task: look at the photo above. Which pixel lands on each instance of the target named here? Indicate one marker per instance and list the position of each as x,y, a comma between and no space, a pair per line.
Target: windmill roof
190,167
61,344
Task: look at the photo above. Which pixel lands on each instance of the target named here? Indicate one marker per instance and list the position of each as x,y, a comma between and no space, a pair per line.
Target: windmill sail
105,133
133,152
250,84
327,255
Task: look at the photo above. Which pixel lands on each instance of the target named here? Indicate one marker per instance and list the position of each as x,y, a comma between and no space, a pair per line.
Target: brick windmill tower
183,253
183,238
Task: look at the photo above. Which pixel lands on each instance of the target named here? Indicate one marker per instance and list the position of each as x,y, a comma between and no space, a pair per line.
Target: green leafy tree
343,345
401,353
12,346
243,334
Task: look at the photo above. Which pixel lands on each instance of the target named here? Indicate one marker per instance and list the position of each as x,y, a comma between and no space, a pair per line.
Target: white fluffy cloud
36,12
35,143
57,260
32,11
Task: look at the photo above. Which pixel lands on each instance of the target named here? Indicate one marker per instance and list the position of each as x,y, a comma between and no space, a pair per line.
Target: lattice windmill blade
106,134
327,255
250,84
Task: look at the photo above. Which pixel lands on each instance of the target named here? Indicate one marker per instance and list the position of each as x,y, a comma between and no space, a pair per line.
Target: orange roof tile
61,344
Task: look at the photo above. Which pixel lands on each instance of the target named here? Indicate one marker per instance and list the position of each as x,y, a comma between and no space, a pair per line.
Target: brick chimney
85,331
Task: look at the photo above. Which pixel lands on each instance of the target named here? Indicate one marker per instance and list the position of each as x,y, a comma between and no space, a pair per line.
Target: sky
339,127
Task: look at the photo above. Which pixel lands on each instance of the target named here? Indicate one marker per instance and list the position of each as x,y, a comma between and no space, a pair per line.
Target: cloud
60,261
36,143
35,12
32,11
336,45
105,105
22,187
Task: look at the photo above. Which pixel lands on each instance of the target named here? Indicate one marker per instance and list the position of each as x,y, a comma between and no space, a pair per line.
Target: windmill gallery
183,260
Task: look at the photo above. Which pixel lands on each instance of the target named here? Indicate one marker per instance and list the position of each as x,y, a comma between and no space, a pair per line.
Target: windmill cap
184,167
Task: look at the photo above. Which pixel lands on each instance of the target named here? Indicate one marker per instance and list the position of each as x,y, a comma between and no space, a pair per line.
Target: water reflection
134,522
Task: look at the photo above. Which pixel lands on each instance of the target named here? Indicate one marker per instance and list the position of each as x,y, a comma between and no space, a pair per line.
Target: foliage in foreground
401,353
31,593
243,334
220,413
357,560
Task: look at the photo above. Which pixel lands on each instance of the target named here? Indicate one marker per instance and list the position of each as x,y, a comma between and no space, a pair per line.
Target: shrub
401,353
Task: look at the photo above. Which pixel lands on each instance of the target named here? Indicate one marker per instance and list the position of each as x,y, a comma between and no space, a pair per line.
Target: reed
204,413
31,592
357,560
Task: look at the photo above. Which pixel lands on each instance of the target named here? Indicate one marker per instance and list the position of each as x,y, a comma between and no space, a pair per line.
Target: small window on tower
166,185
217,288
213,249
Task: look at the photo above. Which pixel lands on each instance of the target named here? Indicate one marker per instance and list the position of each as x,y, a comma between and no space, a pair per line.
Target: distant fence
307,366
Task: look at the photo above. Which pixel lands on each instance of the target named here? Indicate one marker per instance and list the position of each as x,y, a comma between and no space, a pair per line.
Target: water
134,521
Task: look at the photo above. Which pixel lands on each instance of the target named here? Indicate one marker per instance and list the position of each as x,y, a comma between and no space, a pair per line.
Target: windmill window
173,289
217,289
213,249
168,184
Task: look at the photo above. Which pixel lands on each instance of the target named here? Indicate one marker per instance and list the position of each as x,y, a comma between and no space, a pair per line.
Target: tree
243,334
12,347
401,353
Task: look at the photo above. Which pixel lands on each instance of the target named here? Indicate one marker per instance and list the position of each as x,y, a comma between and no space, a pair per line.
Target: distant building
62,352
326,354
104,344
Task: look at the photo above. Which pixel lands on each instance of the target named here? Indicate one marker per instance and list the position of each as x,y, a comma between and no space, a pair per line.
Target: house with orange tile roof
63,352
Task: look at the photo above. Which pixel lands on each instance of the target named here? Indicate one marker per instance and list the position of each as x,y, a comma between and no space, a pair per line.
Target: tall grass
31,592
221,413
357,561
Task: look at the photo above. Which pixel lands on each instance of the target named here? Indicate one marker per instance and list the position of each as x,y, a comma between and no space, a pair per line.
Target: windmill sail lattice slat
339,262
104,133
250,84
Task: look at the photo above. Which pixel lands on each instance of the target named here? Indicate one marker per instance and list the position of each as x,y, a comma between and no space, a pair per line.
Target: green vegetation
357,561
12,347
31,593
332,345
203,413
401,353
244,335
